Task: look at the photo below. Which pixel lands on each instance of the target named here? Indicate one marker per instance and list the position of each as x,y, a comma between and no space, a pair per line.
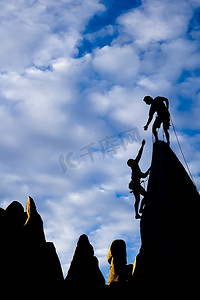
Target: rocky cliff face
172,200
170,224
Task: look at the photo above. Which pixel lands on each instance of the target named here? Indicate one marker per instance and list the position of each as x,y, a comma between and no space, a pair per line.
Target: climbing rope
190,174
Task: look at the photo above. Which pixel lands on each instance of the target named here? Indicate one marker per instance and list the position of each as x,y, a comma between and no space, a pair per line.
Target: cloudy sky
73,74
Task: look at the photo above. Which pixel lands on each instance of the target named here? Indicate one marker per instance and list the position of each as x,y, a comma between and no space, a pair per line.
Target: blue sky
72,78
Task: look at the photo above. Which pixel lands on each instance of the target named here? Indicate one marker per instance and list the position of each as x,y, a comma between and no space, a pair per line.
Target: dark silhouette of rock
43,268
15,215
33,227
120,273
2,226
169,255
166,265
12,265
84,270
29,265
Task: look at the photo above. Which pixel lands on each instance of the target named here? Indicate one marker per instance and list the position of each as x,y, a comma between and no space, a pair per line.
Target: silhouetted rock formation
12,220
29,264
33,227
120,273
169,255
167,264
84,270
44,269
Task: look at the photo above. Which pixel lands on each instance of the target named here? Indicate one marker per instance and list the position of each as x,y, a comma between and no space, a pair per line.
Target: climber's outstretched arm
140,152
148,122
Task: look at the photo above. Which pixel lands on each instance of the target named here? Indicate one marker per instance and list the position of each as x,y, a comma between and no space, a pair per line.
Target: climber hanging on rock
135,184
163,116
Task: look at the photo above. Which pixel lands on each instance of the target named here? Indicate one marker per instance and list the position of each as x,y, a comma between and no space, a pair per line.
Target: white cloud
45,30
156,21
106,31
120,103
16,54
112,62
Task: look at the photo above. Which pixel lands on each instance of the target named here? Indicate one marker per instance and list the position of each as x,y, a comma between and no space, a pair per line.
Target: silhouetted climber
163,116
136,176
84,270
120,273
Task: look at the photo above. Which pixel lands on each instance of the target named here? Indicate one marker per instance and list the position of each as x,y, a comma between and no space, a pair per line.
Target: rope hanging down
182,151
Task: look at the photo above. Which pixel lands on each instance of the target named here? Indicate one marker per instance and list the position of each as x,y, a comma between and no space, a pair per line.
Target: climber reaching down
160,105
135,184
